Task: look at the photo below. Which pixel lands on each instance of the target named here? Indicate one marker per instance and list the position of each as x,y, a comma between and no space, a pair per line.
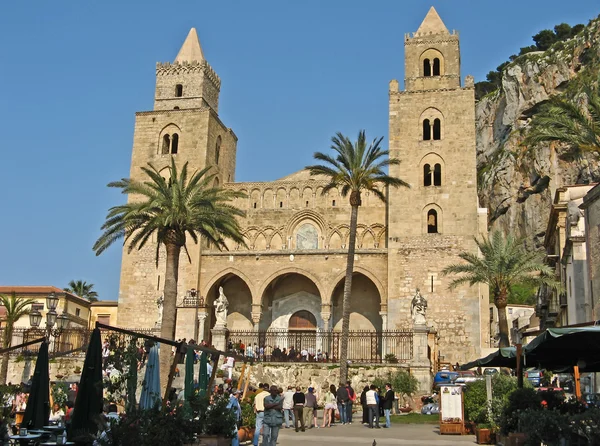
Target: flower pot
245,433
483,436
516,439
213,440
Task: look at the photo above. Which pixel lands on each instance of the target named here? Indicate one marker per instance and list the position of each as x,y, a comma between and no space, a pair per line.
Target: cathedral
291,274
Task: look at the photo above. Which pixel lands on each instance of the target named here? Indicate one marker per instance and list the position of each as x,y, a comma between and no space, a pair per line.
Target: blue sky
293,73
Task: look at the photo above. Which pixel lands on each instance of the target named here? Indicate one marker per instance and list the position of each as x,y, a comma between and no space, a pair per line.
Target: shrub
518,401
248,415
403,383
587,425
544,426
391,358
475,399
59,393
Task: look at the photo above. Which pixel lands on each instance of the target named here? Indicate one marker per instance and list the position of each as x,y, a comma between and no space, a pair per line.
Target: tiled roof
41,289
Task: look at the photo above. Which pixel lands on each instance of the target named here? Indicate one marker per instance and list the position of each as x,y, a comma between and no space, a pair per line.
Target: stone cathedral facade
291,274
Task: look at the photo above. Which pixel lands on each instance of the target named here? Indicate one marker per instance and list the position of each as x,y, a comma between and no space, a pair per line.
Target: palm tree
16,307
82,289
504,263
356,168
573,121
171,209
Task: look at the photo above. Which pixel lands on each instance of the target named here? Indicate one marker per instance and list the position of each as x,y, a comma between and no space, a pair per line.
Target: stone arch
242,202
435,68
276,241
367,239
255,199
335,240
239,295
426,218
294,202
260,242
427,166
301,217
214,279
307,197
281,197
290,270
365,303
165,139
431,123
370,275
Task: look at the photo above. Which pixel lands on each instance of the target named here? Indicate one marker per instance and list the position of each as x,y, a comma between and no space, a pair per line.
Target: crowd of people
295,409
277,354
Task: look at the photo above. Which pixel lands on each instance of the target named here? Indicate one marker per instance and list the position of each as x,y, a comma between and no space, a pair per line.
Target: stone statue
221,305
160,304
418,308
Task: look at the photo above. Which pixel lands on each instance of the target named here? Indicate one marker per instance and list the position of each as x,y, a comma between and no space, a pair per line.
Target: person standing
288,406
299,401
388,401
363,403
273,418
234,406
351,400
373,405
328,407
310,408
342,400
259,410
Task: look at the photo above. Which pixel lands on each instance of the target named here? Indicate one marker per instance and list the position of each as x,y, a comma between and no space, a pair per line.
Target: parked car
444,377
534,376
466,376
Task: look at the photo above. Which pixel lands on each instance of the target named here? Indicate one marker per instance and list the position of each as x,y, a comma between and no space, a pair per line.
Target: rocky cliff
518,187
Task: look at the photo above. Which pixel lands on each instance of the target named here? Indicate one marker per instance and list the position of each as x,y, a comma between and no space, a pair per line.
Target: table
25,439
53,443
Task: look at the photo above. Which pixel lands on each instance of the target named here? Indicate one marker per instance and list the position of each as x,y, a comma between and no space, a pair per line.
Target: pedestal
219,338
420,364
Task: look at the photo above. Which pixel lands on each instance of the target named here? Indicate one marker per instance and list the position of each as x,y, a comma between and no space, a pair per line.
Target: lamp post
52,318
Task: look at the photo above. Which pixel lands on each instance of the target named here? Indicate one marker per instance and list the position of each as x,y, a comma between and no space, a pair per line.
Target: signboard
451,410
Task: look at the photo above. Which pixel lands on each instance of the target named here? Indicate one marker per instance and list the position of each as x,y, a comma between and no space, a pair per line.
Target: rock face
517,189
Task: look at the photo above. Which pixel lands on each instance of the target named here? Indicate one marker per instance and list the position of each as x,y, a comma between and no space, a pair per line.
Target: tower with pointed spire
184,124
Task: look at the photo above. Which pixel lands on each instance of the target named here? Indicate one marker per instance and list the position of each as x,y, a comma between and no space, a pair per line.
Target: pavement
357,434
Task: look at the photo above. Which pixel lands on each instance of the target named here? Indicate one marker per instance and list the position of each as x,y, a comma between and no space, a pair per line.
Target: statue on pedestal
221,306
418,308
160,304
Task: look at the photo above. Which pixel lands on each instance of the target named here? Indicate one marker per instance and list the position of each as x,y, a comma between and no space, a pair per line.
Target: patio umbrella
203,376
89,400
151,386
132,381
503,357
188,387
37,411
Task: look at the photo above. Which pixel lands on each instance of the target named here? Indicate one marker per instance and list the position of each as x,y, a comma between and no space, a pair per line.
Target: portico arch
364,272
239,295
365,304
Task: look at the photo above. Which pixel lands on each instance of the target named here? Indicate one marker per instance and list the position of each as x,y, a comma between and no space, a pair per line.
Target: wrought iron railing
363,346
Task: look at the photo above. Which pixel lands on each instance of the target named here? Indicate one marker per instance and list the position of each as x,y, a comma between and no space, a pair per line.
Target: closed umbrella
188,388
37,411
131,381
88,404
151,386
203,376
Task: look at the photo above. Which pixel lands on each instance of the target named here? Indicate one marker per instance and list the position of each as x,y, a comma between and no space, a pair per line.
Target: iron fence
287,345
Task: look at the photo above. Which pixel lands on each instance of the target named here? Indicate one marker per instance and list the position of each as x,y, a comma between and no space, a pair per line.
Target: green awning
503,357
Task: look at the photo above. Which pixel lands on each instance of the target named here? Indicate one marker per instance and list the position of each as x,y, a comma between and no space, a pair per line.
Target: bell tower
184,124
432,132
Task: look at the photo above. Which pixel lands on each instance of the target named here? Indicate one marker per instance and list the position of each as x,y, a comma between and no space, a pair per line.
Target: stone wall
21,368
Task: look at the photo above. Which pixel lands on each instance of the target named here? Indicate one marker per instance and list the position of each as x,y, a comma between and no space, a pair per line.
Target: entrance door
302,331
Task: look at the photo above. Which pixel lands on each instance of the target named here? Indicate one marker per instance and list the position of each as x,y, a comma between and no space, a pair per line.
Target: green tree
355,168
16,307
544,39
184,205
563,31
82,289
504,263
573,121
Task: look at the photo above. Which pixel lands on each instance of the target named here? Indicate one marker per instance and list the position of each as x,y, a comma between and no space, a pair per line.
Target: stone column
325,340
420,365
202,315
256,314
384,321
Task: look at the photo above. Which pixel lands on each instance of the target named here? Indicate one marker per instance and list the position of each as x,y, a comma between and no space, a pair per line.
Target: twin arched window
432,176
432,131
218,149
170,144
431,68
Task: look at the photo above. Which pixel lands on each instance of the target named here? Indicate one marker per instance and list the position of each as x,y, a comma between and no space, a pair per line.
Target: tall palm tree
16,307
573,121
82,289
356,167
504,262
171,209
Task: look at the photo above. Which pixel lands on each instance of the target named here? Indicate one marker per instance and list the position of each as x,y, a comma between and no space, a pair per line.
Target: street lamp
52,318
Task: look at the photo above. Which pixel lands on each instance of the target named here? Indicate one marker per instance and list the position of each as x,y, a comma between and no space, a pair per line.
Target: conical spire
432,24
190,51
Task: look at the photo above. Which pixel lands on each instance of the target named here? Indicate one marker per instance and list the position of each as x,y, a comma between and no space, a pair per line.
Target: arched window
178,90
437,175
432,222
427,175
426,67
175,108
166,145
436,67
437,129
174,143
426,130
218,150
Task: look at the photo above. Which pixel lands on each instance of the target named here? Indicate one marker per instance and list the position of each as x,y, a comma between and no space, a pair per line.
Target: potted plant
248,425
216,422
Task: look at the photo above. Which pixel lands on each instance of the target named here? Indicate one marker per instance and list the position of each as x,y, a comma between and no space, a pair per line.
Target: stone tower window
218,150
437,129
333,203
174,143
436,67
166,145
426,130
254,205
432,222
175,108
178,90
426,175
437,175
427,67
